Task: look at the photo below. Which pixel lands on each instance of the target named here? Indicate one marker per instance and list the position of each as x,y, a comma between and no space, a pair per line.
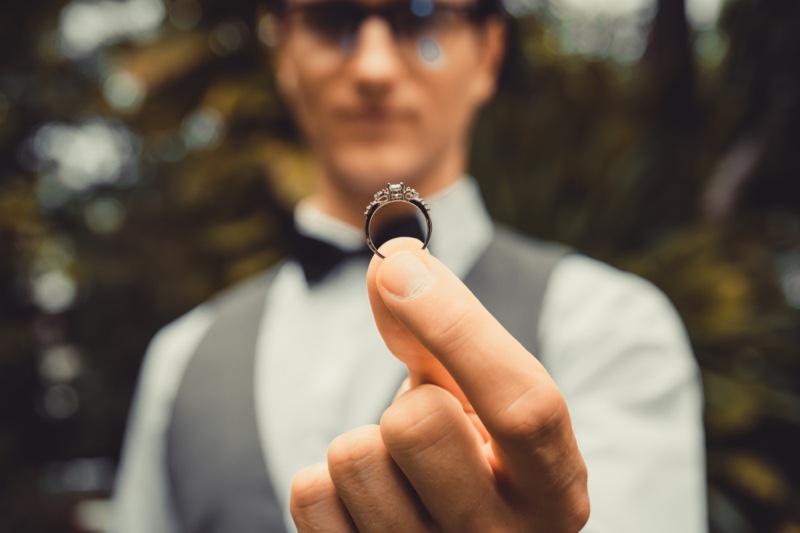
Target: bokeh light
60,363
104,215
124,91
202,129
83,155
85,26
54,291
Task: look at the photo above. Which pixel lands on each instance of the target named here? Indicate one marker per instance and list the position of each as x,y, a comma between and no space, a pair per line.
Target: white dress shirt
611,341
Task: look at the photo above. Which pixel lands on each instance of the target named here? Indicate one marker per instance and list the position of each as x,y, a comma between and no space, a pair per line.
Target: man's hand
481,441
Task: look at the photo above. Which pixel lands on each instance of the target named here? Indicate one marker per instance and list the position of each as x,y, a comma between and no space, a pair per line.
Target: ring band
396,192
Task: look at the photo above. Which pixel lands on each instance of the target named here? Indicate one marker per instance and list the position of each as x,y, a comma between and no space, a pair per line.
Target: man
228,435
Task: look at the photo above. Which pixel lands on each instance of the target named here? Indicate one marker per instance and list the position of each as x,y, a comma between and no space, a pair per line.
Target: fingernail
404,275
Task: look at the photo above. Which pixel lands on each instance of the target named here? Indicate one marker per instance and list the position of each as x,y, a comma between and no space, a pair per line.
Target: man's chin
365,175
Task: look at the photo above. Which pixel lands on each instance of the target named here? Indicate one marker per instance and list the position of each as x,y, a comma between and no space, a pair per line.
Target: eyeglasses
420,27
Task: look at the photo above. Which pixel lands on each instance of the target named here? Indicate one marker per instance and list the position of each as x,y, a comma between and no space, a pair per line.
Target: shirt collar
462,227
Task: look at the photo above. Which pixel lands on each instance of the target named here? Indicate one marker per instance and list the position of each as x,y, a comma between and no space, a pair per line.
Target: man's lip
372,114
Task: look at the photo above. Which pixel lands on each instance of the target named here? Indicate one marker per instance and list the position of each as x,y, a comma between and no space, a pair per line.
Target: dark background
143,169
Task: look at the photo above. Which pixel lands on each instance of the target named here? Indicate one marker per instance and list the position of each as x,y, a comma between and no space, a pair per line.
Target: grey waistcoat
219,480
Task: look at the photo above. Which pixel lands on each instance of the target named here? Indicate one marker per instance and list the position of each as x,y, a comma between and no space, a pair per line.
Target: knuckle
583,511
352,454
580,510
311,487
534,417
419,420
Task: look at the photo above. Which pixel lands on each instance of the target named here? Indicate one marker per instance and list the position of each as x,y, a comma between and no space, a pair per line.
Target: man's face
387,100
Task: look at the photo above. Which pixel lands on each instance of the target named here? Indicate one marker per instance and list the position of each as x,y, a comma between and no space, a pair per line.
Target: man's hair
487,7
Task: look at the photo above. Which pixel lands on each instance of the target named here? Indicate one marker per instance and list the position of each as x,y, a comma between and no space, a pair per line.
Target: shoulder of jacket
250,287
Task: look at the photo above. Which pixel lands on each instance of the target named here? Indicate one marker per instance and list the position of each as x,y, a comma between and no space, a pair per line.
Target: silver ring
396,192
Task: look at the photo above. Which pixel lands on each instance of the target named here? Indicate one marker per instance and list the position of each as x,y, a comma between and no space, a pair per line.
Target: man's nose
376,59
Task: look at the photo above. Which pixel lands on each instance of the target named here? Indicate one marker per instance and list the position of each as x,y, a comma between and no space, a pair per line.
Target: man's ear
285,75
271,35
491,58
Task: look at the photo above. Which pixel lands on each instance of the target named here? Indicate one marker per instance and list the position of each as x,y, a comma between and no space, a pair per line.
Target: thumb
406,275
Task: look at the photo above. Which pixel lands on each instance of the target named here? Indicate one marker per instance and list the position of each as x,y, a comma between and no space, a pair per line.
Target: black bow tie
318,258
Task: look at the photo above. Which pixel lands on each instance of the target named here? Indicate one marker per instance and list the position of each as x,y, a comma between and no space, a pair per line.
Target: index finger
426,314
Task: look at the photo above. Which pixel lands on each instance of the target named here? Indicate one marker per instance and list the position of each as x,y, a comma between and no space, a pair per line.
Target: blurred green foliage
681,166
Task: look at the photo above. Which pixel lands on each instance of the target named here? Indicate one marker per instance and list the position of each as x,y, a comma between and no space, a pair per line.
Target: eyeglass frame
477,13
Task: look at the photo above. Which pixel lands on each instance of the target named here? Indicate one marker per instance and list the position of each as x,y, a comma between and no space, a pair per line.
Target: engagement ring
396,192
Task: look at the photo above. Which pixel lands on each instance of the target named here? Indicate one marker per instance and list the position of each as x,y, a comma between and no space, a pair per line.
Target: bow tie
318,258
